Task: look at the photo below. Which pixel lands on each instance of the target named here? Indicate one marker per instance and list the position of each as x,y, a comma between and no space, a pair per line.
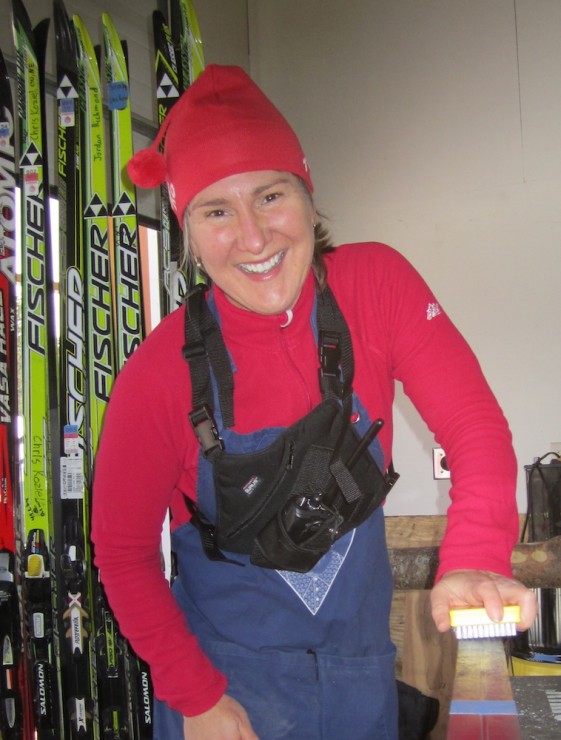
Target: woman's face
254,234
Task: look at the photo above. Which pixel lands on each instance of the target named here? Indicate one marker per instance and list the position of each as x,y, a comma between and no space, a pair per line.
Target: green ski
129,319
112,720
129,315
15,715
38,380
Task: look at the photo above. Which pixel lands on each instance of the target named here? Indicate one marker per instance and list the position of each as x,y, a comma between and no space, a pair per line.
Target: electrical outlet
440,468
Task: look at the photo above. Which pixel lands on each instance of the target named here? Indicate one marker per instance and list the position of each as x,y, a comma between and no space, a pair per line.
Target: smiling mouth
260,268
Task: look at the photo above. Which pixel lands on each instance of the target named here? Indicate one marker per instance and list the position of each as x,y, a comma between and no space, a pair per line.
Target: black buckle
205,429
330,360
194,351
391,477
329,354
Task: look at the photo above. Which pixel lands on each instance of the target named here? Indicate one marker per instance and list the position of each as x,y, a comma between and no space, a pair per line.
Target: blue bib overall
308,655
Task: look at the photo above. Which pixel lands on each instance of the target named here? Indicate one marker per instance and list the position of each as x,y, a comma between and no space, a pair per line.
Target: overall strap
204,348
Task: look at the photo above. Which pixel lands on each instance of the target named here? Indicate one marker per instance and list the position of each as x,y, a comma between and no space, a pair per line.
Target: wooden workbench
427,659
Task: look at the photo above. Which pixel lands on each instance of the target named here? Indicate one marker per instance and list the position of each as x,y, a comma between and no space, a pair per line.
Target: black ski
75,585
173,281
186,37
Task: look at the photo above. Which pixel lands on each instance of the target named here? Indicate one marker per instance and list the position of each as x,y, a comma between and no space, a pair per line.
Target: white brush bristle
470,624
469,632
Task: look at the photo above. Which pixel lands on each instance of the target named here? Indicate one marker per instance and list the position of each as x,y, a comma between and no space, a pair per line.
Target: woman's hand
460,589
226,720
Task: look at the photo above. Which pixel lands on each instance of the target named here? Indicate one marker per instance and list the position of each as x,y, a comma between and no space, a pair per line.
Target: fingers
529,608
490,596
526,600
513,592
440,609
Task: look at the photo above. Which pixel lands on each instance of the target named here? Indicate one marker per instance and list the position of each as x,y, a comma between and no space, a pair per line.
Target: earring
198,263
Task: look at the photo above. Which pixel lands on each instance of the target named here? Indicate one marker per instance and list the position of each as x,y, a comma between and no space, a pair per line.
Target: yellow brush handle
476,616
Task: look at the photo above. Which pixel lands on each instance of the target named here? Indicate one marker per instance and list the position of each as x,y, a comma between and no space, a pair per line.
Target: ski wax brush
475,623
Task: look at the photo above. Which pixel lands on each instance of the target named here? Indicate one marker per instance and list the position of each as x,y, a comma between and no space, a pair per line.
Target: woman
264,634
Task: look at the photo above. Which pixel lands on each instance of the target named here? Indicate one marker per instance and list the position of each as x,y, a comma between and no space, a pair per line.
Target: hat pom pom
147,168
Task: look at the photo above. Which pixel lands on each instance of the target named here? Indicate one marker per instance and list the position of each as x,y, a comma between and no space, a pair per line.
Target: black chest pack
284,505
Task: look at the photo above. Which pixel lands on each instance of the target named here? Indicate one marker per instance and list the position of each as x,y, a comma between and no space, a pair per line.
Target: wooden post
536,564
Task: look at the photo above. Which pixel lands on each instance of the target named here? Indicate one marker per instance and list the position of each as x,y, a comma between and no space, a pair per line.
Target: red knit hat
222,125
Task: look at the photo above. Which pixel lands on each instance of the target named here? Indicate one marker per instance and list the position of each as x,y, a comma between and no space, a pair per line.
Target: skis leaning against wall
38,380
82,676
15,716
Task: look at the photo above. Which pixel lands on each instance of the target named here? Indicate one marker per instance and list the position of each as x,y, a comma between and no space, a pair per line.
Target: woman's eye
216,213
270,197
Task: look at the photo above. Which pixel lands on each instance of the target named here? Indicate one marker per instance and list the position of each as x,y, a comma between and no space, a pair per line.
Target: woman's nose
253,232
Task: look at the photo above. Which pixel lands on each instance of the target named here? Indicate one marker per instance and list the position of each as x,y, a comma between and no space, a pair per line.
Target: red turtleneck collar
246,327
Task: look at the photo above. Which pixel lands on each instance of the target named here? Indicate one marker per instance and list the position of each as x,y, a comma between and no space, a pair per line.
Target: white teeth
262,267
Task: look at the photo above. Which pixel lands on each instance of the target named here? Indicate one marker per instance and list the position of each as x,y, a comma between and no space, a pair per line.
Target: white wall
435,126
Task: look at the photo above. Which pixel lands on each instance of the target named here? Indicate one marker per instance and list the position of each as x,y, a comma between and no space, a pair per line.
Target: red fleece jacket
148,453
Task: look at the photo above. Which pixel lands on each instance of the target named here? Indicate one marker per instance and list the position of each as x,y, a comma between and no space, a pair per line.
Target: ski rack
67,671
